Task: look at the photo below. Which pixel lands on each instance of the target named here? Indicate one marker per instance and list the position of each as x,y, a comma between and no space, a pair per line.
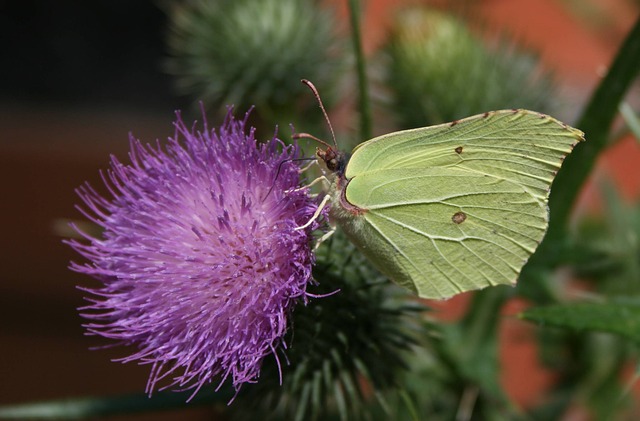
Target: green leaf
620,319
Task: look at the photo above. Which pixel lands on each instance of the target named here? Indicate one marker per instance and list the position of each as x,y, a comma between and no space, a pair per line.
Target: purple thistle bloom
200,262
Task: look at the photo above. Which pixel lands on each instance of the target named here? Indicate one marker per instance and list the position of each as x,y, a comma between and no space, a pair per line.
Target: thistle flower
200,262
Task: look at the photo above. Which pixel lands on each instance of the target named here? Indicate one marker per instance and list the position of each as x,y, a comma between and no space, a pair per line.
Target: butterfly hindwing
459,231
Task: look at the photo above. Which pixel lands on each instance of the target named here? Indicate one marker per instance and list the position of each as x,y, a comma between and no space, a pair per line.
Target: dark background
75,78
105,51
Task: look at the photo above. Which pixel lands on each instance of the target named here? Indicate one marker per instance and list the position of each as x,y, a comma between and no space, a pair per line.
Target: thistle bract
439,70
200,262
252,52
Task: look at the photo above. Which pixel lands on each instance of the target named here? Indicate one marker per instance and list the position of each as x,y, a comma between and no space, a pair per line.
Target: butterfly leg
322,179
311,164
316,213
324,238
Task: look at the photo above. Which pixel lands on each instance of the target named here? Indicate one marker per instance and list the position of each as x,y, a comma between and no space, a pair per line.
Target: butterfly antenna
317,95
312,137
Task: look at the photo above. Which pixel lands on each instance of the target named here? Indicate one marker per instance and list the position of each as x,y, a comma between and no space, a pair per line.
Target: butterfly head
334,159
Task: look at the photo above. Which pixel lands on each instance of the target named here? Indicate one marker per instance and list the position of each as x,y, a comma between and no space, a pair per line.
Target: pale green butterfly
454,207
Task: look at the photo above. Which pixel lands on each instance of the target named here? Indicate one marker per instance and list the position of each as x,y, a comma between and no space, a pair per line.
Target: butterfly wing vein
493,170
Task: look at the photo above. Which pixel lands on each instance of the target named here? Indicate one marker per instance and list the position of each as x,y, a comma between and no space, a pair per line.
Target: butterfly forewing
522,146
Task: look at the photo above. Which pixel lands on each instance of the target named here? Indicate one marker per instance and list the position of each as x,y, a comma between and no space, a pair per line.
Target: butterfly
453,207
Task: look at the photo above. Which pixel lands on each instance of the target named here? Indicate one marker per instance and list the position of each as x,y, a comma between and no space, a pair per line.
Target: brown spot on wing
459,217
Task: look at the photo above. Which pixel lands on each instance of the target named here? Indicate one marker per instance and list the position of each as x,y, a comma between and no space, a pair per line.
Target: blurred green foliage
439,70
253,53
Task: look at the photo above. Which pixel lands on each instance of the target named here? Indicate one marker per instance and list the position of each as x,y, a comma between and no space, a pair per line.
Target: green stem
363,94
471,345
83,408
596,122
482,319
